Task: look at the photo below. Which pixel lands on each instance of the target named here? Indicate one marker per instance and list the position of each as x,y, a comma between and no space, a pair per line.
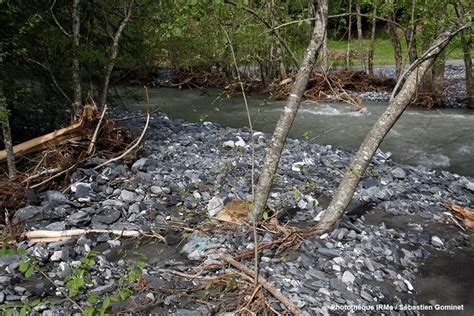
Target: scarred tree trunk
287,117
76,68
370,53
114,52
401,96
360,35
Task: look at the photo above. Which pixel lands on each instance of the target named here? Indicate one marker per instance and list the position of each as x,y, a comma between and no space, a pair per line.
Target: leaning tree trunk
7,138
114,53
370,53
360,35
76,68
401,96
287,117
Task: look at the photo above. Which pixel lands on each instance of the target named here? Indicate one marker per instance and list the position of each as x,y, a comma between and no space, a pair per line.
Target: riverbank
353,81
374,257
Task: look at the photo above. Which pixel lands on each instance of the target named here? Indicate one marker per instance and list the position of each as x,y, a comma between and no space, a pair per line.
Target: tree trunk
349,37
411,44
466,41
360,35
76,68
400,99
114,52
282,66
410,35
438,81
7,137
324,52
274,149
370,54
397,48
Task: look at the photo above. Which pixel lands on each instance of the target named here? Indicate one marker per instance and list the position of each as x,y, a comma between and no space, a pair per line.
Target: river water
441,139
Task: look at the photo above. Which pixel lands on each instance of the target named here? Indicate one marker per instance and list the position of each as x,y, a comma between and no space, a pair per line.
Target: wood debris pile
51,158
336,85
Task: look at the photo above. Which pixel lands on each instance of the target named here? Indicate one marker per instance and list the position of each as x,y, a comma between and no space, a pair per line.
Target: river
441,139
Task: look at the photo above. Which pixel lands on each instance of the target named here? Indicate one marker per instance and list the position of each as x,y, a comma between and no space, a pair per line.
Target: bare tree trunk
401,96
324,52
349,37
397,48
7,137
76,68
466,41
114,51
282,66
287,117
438,81
360,35
370,59
410,36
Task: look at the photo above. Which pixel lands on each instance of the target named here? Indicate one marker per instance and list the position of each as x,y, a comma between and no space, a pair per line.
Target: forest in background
52,61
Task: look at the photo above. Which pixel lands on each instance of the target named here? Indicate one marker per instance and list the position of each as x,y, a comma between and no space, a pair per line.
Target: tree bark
114,52
274,149
76,68
370,53
438,81
410,35
466,41
360,35
7,137
400,99
397,48
349,37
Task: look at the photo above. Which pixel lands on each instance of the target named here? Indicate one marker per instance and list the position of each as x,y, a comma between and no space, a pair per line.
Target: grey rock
78,218
348,277
107,216
214,206
40,253
399,173
139,164
436,241
2,297
156,190
368,263
128,196
105,288
27,213
56,226
329,252
57,198
4,280
82,190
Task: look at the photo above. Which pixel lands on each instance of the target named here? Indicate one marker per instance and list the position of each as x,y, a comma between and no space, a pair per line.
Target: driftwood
51,236
462,213
60,136
265,284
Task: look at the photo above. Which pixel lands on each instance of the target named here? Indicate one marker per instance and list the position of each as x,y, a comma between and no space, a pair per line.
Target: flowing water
441,139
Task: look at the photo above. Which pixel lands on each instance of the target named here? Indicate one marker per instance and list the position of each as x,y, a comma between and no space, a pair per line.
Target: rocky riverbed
185,172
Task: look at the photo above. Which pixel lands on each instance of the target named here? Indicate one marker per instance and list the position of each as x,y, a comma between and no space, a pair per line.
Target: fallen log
51,236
